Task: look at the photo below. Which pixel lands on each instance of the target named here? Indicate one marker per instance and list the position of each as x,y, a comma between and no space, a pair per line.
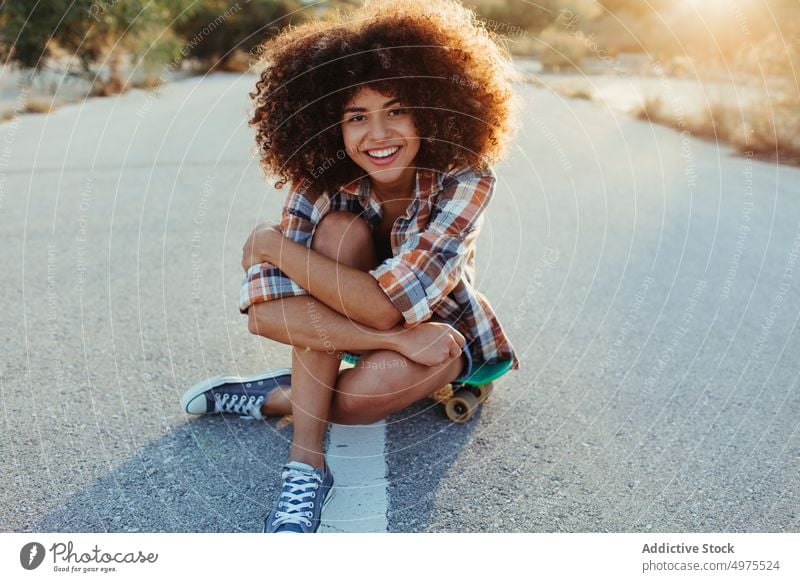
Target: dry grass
573,91
149,82
40,105
113,86
768,130
774,131
653,110
238,62
560,50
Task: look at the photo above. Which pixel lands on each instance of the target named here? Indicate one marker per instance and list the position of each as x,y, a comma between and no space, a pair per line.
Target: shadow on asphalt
213,474
220,474
421,445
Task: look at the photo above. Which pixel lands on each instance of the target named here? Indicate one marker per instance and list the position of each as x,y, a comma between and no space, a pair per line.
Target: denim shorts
353,358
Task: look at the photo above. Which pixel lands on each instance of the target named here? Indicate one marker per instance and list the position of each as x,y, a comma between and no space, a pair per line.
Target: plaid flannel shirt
432,268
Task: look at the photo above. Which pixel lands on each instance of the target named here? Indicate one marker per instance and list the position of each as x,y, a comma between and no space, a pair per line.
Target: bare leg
279,402
384,382
340,236
313,375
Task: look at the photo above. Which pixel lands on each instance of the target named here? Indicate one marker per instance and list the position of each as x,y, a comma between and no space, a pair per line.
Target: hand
431,343
262,243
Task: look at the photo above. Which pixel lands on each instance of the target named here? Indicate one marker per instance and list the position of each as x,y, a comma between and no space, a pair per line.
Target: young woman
385,122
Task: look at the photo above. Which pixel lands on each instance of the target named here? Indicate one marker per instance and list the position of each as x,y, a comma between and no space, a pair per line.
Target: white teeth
382,153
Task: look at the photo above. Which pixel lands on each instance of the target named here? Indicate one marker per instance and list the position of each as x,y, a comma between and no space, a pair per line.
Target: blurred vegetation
104,40
228,46
754,42
766,130
698,38
504,17
97,37
89,38
747,37
109,42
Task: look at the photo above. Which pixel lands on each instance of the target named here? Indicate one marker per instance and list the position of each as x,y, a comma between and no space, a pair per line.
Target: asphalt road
649,281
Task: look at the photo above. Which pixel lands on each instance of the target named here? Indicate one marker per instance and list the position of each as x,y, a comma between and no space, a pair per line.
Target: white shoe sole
198,390
324,505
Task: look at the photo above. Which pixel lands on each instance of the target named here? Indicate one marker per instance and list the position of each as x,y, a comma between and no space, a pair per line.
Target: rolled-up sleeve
265,282
431,263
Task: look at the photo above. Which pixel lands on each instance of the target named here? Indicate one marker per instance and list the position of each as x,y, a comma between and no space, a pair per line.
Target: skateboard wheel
461,406
482,392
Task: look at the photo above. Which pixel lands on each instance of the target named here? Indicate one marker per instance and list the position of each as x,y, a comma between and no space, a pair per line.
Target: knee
341,234
261,319
253,325
367,394
359,408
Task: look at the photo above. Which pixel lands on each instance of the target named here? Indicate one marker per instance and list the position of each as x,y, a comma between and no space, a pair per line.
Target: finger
459,339
455,350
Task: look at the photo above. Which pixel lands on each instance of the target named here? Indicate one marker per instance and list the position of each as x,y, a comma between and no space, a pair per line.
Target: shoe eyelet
248,385
312,504
313,494
308,523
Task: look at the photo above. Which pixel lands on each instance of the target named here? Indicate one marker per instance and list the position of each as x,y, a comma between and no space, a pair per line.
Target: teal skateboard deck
486,373
463,398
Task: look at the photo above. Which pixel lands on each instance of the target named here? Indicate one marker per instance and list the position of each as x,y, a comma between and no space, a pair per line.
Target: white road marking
360,500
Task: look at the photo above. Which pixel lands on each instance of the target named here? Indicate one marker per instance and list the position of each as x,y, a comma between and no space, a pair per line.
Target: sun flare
711,5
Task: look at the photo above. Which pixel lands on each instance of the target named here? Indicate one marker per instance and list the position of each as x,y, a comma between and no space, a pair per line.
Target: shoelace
302,487
239,404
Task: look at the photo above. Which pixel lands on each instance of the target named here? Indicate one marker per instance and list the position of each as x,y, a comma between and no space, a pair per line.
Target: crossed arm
346,309
349,291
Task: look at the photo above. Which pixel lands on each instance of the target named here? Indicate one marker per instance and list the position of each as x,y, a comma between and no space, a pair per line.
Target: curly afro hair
434,55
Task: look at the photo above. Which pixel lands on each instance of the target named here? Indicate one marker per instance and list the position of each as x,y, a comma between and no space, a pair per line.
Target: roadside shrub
560,50
218,29
97,37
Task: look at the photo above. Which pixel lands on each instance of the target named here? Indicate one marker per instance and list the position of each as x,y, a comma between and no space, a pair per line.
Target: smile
383,153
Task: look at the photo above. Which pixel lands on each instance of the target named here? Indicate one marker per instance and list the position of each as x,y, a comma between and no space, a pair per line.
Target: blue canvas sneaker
235,394
305,493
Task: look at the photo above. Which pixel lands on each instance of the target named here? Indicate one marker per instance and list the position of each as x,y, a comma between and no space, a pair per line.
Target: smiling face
380,137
